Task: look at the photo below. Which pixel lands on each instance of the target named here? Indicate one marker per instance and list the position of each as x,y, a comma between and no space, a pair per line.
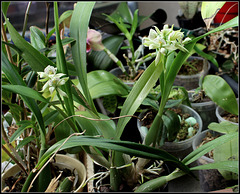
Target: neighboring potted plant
134,60
190,17
62,163
211,180
223,47
224,115
191,72
183,125
209,95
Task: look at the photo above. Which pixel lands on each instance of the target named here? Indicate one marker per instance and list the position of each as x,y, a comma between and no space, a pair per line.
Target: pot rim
16,169
186,140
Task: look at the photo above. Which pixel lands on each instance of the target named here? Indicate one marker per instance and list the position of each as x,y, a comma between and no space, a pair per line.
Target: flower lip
94,40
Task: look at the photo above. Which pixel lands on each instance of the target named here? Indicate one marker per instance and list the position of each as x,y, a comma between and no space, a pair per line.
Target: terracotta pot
61,161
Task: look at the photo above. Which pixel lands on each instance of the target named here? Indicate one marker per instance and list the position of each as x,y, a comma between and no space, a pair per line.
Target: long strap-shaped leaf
78,30
62,66
33,57
138,93
15,79
131,148
127,147
208,147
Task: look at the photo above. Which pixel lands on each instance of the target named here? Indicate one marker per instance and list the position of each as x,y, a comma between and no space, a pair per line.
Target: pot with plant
35,121
209,96
183,125
94,133
191,72
134,60
214,179
190,16
224,115
223,47
56,105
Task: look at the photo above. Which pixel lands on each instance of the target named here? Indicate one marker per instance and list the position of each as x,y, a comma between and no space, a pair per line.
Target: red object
228,11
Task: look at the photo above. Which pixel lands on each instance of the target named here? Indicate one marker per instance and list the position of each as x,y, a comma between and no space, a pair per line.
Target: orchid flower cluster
53,81
166,40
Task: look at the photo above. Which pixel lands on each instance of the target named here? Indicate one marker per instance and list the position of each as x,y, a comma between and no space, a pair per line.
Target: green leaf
25,91
37,38
231,166
223,127
120,25
221,93
102,83
200,151
110,103
25,141
232,23
127,147
5,6
15,79
65,16
227,152
206,56
19,131
65,41
138,93
62,66
78,30
123,12
130,148
134,23
94,128
32,56
172,122
50,117
209,11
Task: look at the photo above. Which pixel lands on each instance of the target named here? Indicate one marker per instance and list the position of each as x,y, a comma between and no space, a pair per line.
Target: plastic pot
192,81
210,180
61,161
219,112
206,110
182,148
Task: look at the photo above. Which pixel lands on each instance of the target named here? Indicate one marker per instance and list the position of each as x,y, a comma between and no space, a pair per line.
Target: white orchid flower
54,81
49,72
165,40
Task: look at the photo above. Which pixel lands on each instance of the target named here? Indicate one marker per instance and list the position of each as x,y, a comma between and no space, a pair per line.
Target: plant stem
60,99
5,138
116,60
26,19
47,17
14,159
6,46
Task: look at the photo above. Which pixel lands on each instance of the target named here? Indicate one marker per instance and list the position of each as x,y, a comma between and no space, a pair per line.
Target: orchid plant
89,130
